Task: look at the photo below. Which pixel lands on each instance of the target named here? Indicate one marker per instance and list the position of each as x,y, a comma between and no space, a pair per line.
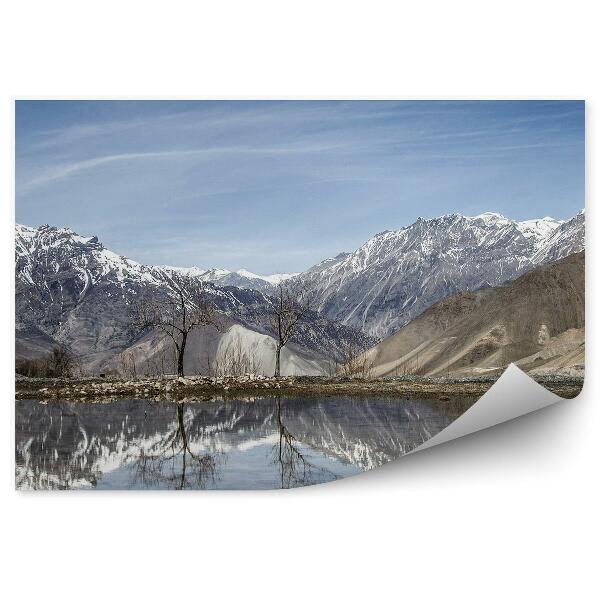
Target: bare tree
355,361
291,305
177,313
60,362
348,352
236,361
126,364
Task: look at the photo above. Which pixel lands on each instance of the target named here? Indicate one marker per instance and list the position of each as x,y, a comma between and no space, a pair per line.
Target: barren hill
536,320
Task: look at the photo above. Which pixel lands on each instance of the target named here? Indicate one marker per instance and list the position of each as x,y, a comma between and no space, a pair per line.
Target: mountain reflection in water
253,443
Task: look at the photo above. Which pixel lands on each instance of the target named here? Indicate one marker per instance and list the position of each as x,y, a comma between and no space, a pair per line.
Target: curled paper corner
513,395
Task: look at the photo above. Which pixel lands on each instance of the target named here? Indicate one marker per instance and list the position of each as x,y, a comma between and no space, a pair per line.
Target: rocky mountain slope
70,290
536,321
396,275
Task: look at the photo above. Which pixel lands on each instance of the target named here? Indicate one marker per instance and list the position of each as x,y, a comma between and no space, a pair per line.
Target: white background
510,512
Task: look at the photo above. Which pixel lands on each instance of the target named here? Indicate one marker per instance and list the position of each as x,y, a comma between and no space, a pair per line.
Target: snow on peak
24,232
538,228
274,279
490,214
216,274
187,271
279,277
490,218
248,274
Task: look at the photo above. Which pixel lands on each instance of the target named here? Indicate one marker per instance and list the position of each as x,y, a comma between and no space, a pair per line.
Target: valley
74,293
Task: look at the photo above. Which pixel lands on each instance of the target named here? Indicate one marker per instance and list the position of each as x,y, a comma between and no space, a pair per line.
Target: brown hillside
479,332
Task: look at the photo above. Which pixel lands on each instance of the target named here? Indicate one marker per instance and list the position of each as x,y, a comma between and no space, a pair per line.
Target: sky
278,186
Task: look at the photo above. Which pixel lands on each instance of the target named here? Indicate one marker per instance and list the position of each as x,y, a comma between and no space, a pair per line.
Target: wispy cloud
66,170
209,182
67,137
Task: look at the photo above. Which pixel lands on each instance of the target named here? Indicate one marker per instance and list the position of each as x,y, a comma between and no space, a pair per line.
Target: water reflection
252,443
173,463
294,468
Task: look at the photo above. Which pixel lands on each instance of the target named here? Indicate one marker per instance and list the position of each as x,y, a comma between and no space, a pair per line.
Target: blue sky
279,186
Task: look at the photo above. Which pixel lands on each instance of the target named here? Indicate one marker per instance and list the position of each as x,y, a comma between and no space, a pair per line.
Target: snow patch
274,279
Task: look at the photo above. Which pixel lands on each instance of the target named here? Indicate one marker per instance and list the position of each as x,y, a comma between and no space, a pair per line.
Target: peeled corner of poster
513,395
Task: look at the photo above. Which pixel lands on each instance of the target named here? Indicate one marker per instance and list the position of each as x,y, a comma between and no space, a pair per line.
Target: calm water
254,443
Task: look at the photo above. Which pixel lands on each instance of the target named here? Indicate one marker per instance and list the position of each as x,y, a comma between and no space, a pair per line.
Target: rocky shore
171,388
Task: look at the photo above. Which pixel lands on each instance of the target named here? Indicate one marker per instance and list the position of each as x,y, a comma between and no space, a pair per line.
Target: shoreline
96,389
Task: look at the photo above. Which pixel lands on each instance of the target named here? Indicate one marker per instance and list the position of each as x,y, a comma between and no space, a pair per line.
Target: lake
250,443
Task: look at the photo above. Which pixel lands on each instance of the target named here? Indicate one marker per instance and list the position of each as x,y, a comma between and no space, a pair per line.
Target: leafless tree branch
291,305
183,308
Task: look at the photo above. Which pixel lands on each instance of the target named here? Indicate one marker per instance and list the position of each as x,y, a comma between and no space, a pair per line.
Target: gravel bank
199,388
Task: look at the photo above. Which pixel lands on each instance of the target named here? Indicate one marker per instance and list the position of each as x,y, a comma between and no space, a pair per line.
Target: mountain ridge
223,277
72,291
378,288
397,274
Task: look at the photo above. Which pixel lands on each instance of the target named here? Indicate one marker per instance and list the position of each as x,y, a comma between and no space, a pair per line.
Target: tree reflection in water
246,443
170,467
294,468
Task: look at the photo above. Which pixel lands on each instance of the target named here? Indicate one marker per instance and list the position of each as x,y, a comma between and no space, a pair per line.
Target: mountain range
71,290
240,278
396,275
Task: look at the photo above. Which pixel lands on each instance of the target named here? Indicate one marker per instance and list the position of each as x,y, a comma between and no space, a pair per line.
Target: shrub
59,363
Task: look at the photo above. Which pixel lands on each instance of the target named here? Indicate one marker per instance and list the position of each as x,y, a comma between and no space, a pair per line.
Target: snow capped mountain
241,278
87,253
396,275
47,247
71,290
245,279
539,229
274,279
566,239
